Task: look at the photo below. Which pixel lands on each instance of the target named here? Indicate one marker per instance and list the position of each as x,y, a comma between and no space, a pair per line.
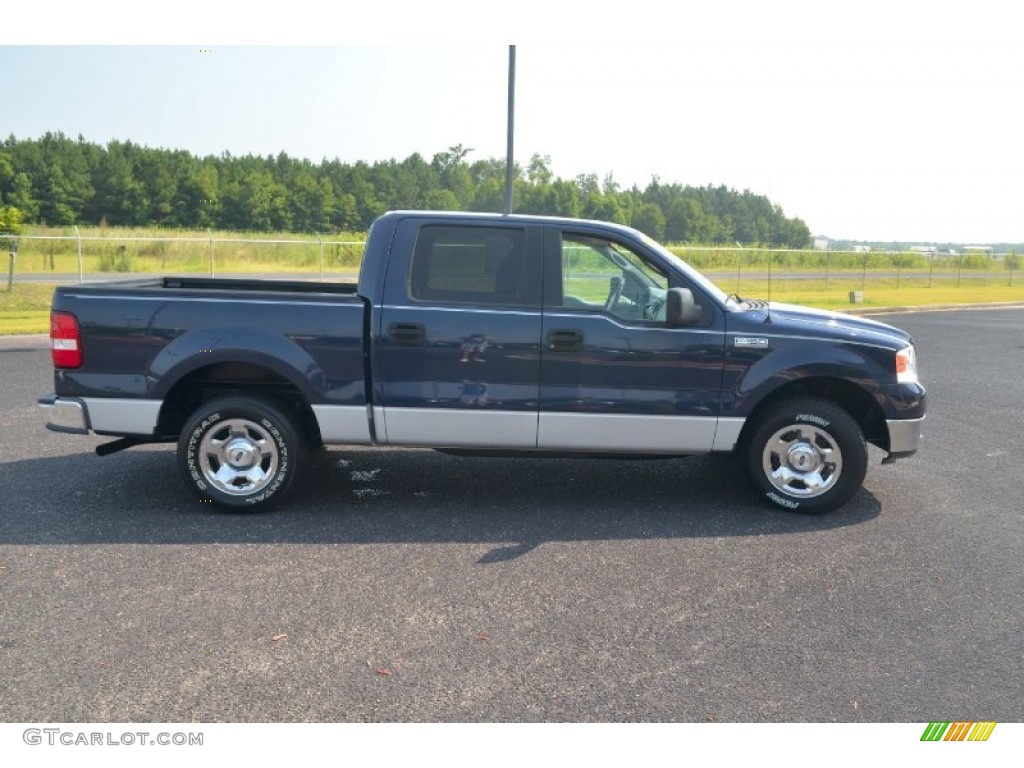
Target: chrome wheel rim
238,457
802,461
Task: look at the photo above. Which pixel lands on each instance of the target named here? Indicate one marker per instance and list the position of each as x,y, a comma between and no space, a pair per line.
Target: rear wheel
806,455
241,453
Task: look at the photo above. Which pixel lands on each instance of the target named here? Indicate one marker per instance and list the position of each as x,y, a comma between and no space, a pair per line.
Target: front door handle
565,340
407,334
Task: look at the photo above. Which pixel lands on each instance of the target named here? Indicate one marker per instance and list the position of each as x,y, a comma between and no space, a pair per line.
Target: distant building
821,243
862,249
923,249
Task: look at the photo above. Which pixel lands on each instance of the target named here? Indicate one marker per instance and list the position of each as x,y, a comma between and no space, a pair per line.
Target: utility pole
511,126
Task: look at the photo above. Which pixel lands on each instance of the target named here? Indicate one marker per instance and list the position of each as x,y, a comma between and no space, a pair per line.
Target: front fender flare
854,364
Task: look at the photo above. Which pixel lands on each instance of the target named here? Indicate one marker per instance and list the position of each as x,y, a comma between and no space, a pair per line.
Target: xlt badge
750,341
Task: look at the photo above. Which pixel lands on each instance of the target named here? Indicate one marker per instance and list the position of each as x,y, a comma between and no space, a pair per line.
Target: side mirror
680,309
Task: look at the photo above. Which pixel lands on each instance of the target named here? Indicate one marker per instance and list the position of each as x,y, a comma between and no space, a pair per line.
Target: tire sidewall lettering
818,421
781,501
280,434
826,421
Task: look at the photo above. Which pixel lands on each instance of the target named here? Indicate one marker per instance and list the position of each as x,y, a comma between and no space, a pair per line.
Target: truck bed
146,342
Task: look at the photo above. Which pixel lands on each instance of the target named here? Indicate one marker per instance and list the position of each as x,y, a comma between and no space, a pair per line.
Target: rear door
457,348
614,376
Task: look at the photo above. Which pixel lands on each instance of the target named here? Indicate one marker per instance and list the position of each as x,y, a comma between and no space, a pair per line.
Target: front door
615,377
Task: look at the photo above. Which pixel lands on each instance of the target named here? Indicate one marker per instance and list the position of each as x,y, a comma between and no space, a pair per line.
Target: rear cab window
475,265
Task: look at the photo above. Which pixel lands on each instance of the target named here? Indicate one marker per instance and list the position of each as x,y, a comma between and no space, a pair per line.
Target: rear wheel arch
235,378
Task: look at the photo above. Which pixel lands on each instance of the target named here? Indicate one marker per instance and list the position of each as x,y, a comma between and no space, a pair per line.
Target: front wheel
806,455
241,453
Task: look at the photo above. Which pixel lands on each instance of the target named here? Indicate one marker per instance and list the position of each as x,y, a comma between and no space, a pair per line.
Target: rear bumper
904,436
61,414
103,415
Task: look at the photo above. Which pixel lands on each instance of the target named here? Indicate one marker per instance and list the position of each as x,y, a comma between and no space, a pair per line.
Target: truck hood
804,321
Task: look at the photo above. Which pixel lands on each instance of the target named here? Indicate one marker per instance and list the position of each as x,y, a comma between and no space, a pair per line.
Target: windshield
696,277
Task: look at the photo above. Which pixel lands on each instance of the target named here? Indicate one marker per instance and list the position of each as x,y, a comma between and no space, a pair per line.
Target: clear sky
876,121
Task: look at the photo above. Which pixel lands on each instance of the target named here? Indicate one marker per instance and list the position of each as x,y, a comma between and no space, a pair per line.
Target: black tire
240,453
806,455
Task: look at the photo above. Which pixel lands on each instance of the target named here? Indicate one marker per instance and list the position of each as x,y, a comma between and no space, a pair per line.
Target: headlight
906,366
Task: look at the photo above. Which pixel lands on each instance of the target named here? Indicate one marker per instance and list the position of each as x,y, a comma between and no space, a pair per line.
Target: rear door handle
407,334
565,340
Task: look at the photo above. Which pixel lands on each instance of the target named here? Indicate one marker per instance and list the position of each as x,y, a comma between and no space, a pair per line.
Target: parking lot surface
412,586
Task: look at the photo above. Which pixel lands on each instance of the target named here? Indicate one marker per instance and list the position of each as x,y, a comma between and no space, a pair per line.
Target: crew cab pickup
516,335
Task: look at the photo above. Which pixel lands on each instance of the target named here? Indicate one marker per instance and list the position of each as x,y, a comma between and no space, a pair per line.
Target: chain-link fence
736,267
80,258
70,258
37,262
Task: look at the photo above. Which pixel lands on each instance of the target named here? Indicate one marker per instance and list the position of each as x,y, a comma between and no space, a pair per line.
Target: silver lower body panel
111,415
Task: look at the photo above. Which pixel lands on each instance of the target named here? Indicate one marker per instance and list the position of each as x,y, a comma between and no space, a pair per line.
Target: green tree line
56,180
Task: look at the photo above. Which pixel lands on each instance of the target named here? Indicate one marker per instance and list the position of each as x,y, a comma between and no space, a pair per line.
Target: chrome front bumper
62,415
904,436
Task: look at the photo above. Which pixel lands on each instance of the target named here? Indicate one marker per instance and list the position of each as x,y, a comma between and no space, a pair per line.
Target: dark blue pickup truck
514,335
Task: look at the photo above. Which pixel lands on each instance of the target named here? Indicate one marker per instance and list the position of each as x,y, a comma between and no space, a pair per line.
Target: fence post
739,263
78,236
959,269
864,274
899,263
210,234
10,271
828,260
319,240
931,268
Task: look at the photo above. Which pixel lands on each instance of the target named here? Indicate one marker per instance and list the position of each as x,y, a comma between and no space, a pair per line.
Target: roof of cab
521,218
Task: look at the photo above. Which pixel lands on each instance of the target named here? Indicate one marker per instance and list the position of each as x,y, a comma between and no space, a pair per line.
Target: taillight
65,341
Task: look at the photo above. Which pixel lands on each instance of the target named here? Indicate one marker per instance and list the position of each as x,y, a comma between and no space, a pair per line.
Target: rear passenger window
473,265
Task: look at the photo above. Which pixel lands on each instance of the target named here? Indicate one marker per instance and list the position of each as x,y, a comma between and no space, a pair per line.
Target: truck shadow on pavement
362,496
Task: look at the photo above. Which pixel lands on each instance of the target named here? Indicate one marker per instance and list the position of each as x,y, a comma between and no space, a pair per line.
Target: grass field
25,309
881,292
109,252
151,249
121,250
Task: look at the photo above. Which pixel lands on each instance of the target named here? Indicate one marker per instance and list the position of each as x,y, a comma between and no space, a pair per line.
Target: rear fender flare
202,348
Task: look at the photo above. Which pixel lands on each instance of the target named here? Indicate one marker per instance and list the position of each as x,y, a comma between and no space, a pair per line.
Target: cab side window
601,275
473,265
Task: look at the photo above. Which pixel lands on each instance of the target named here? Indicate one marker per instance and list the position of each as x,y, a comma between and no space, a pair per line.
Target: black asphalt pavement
412,586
